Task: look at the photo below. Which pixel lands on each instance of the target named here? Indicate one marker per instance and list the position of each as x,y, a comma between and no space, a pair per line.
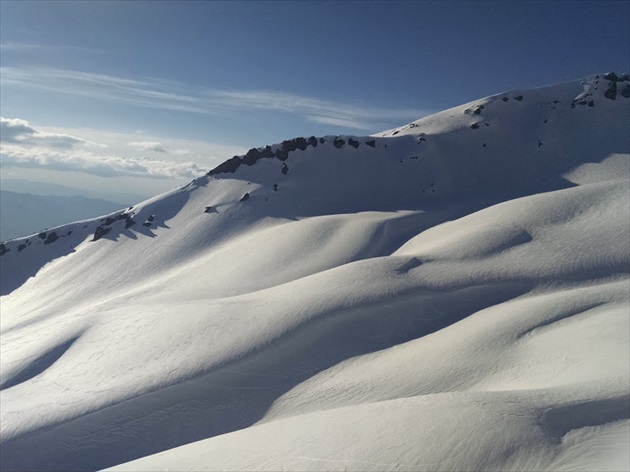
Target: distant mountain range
22,214
448,295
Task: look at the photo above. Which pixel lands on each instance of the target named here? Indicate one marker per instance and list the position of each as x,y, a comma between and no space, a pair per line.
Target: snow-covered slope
449,295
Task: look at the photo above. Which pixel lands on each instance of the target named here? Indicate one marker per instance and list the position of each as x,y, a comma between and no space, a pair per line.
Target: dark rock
151,218
228,166
42,235
591,103
100,232
486,124
282,154
109,220
545,121
301,144
483,145
251,157
338,142
146,224
611,92
371,143
624,78
413,157
395,133
353,142
505,99
312,141
540,143
129,222
267,152
556,101
245,197
3,249
625,93
209,209
322,140
275,187
285,168
611,76
52,237
475,126
21,247
519,98
69,233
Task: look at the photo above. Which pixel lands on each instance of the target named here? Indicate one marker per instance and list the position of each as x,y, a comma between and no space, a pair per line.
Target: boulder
245,197
338,142
285,168
312,141
353,142
52,237
3,249
611,92
371,143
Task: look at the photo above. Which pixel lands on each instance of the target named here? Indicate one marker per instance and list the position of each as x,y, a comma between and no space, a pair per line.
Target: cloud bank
24,146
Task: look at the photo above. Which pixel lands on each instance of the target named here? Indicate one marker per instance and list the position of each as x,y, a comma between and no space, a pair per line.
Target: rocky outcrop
100,232
339,143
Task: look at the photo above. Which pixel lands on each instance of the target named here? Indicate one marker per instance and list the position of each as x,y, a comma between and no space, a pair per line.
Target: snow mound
448,295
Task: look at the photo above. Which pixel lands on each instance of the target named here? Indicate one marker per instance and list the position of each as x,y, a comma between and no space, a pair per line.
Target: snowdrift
448,295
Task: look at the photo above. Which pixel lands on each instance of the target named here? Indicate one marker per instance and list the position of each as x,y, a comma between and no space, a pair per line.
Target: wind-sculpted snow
439,297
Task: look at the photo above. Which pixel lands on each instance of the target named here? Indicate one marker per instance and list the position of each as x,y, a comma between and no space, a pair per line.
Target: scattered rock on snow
52,237
100,232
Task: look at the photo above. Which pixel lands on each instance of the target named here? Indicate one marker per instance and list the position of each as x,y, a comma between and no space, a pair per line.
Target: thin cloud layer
153,93
148,146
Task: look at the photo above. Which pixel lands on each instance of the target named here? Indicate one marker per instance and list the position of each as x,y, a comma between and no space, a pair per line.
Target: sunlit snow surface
452,298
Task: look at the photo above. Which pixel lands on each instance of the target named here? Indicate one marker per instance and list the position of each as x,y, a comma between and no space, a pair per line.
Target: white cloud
153,93
105,154
15,130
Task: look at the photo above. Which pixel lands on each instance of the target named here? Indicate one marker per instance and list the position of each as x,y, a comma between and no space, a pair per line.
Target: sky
143,96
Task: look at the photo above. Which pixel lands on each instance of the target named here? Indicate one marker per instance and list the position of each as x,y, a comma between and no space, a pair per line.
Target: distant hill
46,188
22,214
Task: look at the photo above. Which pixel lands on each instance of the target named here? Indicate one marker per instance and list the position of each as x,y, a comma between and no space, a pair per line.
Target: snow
429,303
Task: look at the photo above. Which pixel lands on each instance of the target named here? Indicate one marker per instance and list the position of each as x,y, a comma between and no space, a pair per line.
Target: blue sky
150,94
